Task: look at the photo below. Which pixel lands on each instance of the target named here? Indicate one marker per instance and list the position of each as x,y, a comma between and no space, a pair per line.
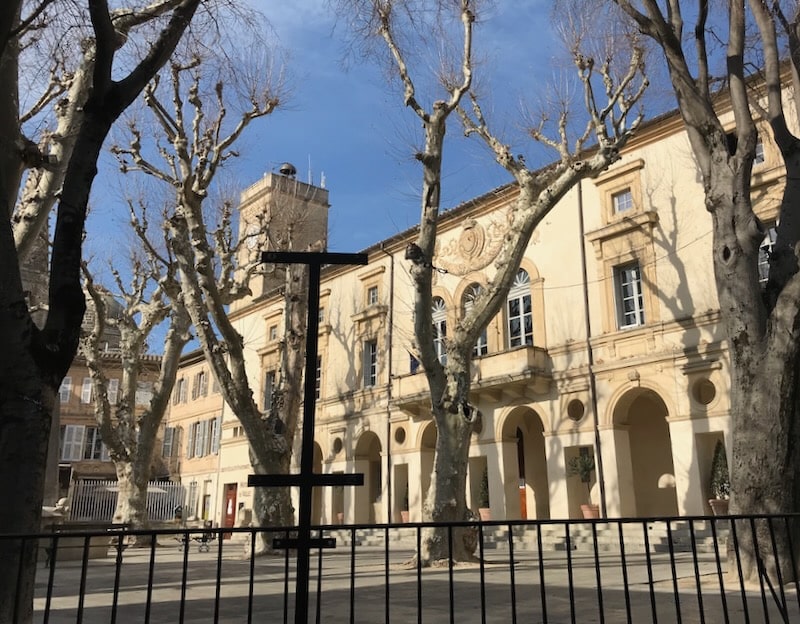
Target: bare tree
608,127
37,359
196,146
762,327
130,432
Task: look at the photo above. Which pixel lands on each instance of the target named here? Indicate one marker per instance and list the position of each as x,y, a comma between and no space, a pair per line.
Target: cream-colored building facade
610,345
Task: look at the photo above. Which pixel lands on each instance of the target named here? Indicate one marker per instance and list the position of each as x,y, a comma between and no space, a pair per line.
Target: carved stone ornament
472,250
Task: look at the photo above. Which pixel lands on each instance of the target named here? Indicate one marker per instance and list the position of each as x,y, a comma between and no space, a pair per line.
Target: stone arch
367,460
644,454
521,466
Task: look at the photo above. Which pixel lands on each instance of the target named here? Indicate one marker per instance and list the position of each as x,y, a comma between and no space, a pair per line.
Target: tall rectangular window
622,201
370,363
519,311
201,439
92,444
269,390
72,442
86,390
144,392
216,433
113,391
318,378
65,390
170,442
372,295
629,296
190,440
200,388
764,252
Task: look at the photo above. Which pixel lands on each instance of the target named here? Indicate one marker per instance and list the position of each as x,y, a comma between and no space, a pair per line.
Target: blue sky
349,122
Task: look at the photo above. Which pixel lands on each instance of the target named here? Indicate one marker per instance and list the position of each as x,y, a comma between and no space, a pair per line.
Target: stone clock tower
279,213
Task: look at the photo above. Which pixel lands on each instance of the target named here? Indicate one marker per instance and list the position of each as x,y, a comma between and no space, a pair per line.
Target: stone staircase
554,537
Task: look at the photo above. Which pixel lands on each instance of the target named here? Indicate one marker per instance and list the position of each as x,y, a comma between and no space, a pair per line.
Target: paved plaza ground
511,593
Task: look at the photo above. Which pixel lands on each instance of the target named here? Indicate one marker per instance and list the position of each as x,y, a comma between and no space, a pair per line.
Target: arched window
439,317
520,316
470,294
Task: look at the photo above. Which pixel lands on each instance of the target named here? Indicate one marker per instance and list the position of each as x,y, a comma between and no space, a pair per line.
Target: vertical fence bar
761,570
649,563
718,560
51,562
673,568
151,567
117,570
696,564
571,587
352,575
743,593
598,576
218,582
482,571
419,573
782,607
542,590
450,588
386,615
185,575
793,559
318,615
252,574
84,574
624,564
512,574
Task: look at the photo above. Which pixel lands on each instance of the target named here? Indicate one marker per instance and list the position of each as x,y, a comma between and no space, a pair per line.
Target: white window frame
201,439
519,297
764,252
72,442
439,318
318,378
87,390
370,361
113,391
216,434
169,444
270,379
372,295
622,201
629,296
93,447
190,441
65,390
482,343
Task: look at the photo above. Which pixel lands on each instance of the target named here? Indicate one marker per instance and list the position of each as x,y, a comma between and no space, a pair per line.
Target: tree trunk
132,499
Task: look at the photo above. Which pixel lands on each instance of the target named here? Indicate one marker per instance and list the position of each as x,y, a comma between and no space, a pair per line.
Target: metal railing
628,570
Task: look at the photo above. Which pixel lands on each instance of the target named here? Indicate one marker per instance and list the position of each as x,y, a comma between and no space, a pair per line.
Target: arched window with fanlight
439,317
470,295
519,312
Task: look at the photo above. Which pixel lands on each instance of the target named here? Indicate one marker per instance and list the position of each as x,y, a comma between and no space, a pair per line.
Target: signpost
307,480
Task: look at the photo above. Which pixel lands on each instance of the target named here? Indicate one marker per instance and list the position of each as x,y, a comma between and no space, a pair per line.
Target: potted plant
720,481
484,510
582,465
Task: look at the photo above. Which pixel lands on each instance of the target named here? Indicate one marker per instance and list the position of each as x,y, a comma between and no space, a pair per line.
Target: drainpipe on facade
590,356
389,338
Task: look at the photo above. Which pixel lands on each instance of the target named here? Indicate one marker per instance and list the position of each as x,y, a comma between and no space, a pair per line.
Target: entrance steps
554,536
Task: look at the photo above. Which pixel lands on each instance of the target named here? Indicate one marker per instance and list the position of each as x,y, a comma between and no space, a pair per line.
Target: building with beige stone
609,346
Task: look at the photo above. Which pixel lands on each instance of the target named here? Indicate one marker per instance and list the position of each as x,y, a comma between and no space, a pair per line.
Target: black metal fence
630,570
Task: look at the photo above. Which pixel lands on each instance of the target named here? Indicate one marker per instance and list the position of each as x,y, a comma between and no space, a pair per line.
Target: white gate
96,500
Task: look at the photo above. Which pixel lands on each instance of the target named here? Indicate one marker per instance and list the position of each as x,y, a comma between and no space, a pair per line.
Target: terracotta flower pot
590,511
719,506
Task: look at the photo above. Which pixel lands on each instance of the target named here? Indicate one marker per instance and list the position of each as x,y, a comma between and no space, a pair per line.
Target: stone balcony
509,376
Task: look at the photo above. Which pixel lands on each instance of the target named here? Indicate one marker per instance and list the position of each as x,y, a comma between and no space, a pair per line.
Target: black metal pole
307,447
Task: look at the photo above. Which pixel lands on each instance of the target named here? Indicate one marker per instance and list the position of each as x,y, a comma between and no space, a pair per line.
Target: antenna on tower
322,180
310,177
